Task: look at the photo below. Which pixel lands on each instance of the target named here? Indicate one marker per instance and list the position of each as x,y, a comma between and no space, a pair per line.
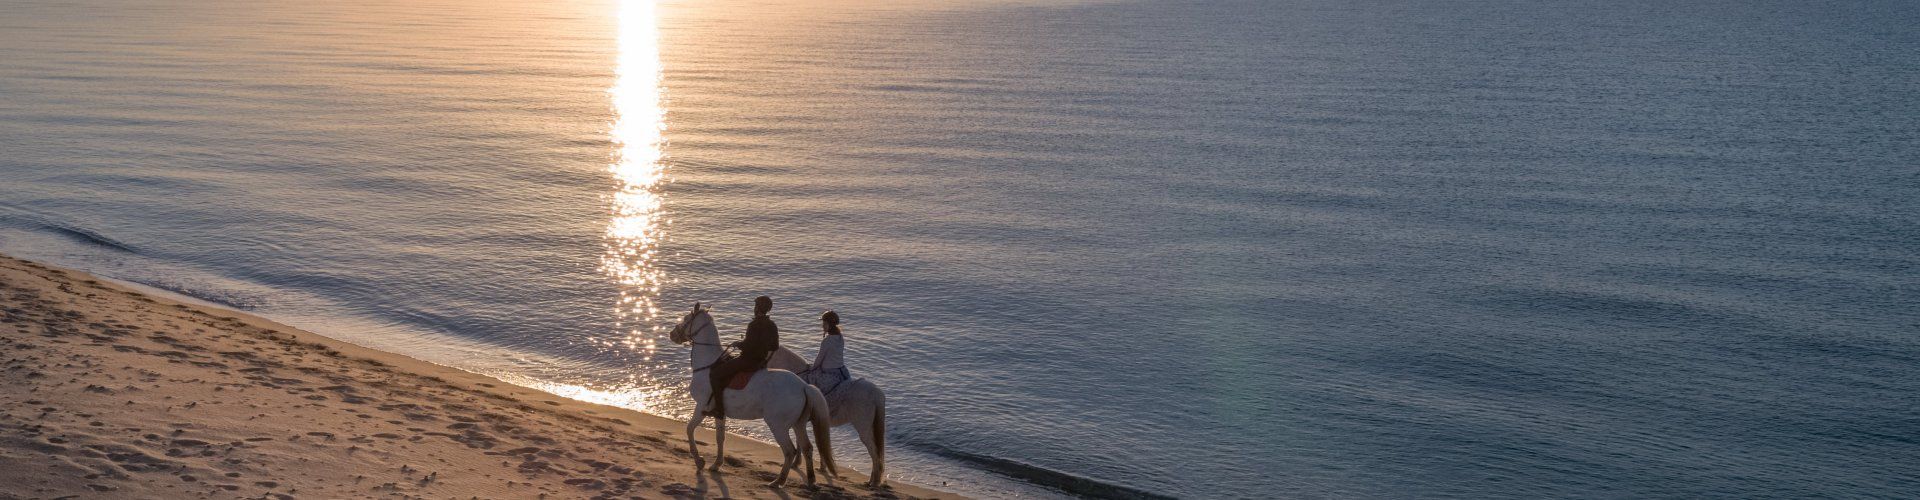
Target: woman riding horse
829,367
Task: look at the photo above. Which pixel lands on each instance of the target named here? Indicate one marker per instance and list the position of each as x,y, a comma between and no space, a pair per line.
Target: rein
715,363
723,351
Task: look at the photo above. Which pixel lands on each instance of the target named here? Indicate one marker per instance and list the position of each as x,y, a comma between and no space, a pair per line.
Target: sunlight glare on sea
637,226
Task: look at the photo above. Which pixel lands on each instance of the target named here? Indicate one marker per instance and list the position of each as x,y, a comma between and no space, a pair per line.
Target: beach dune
109,392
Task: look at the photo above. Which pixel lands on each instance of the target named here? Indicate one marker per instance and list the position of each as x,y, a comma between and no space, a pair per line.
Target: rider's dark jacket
763,338
755,350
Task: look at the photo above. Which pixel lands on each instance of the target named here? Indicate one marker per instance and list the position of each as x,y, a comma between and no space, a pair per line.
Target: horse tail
816,411
879,438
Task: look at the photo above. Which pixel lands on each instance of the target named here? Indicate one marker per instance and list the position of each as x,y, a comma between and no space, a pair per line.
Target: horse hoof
714,468
774,484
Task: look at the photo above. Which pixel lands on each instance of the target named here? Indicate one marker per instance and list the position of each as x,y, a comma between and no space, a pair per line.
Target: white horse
777,396
860,403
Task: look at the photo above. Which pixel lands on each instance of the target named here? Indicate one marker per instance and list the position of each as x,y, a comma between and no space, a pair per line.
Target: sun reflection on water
637,224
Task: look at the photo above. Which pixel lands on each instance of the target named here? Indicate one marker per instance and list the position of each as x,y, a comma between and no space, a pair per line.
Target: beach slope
109,392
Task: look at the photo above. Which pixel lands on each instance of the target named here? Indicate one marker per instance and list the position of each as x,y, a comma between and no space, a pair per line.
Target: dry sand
106,392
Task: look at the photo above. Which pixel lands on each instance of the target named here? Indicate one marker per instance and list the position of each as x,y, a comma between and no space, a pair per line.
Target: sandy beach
113,393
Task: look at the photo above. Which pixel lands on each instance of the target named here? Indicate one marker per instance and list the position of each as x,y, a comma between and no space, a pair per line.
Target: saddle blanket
739,380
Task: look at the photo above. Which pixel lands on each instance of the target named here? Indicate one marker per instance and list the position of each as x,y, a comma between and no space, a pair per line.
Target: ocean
1220,249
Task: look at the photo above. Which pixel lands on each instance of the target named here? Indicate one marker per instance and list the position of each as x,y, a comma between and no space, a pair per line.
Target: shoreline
111,390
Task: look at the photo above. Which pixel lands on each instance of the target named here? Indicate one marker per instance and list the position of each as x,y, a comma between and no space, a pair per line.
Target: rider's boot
717,404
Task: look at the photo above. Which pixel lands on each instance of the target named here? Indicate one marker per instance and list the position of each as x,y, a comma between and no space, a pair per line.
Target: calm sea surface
1317,248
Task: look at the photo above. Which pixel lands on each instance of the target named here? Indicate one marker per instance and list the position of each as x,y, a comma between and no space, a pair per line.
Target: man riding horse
762,339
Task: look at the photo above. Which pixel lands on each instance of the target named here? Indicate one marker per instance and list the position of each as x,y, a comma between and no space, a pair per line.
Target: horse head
684,332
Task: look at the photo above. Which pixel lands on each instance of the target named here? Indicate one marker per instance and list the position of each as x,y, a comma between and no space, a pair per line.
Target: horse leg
806,448
719,443
693,447
786,450
872,426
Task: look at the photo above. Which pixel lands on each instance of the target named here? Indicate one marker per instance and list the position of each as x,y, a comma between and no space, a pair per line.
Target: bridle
723,350
690,337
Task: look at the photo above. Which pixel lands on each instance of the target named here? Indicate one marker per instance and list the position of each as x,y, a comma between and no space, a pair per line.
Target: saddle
740,380
737,381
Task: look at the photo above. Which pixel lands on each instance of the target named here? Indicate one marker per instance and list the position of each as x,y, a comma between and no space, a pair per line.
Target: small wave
1648,309
1069,483
25,218
231,299
87,236
117,267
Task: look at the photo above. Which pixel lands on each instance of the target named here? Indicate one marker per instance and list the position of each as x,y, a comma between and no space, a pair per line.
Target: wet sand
108,392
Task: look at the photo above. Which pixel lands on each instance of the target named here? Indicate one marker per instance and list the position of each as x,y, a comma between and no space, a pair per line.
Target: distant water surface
1197,249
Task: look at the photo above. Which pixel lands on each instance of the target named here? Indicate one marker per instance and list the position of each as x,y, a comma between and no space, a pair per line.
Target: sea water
1308,248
